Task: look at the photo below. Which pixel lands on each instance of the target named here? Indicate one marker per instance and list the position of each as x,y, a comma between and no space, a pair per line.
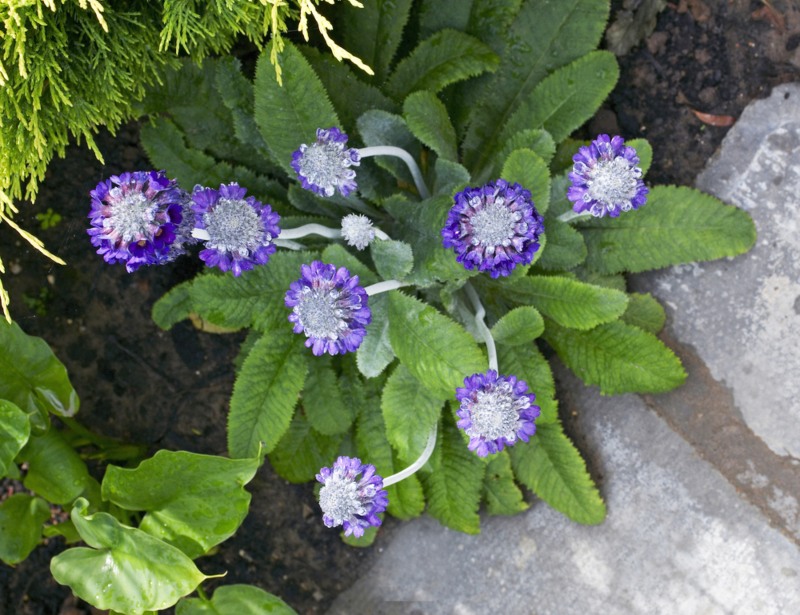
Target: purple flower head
139,218
496,411
330,307
605,178
493,228
324,166
351,501
241,230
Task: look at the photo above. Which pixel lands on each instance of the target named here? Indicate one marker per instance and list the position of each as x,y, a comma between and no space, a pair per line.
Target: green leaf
381,128
565,246
15,429
238,95
289,114
323,402
33,378
618,358
406,498
527,363
453,488
676,225
542,37
410,411
373,32
126,569
235,600
534,139
446,57
336,254
519,326
436,350
644,151
375,352
21,520
192,501
450,177
552,468
568,302
428,119
527,169
500,492
265,393
256,298
55,470
567,98
393,259
174,306
363,541
644,311
302,451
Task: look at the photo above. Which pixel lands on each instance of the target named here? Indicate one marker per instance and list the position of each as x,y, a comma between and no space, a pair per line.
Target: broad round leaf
15,428
235,600
21,519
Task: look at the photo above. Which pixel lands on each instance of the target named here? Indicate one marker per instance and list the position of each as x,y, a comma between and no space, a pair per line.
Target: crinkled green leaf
440,60
302,451
676,225
125,570
174,306
644,151
266,392
519,326
565,246
553,469
410,411
235,600
527,363
192,501
436,350
393,259
500,492
32,377
337,255
428,119
289,114
453,487
376,353
644,311
451,177
55,470
617,357
323,402
526,168
381,128
15,429
21,520
536,140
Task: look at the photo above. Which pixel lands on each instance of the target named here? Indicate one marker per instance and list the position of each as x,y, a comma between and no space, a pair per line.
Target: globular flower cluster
241,230
357,231
605,179
330,308
140,218
352,496
496,411
493,228
325,166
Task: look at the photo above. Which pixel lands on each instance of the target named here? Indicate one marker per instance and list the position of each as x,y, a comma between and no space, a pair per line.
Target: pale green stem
572,215
398,152
385,286
421,460
480,314
310,229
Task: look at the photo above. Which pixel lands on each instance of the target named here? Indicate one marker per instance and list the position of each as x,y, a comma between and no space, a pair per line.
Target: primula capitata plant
410,249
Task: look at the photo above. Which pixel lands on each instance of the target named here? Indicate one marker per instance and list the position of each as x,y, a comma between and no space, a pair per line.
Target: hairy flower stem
421,460
480,314
570,215
391,150
385,286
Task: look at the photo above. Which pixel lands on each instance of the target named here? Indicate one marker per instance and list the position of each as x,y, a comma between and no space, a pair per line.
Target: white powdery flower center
324,165
495,414
319,313
357,231
132,215
494,224
613,182
234,226
339,499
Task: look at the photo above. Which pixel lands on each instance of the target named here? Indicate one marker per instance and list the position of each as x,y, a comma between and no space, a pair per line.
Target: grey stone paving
702,495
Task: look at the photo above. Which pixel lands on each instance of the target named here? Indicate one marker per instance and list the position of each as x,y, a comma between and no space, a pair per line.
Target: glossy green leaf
553,469
453,488
428,119
302,451
644,311
32,377
125,569
618,358
526,168
15,428
676,225
322,400
289,114
410,411
527,363
192,501
436,350
500,492
55,470
21,519
565,246
235,600
519,326
393,259
445,58
266,392
376,353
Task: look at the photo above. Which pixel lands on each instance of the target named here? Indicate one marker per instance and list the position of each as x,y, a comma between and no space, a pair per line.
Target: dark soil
171,389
